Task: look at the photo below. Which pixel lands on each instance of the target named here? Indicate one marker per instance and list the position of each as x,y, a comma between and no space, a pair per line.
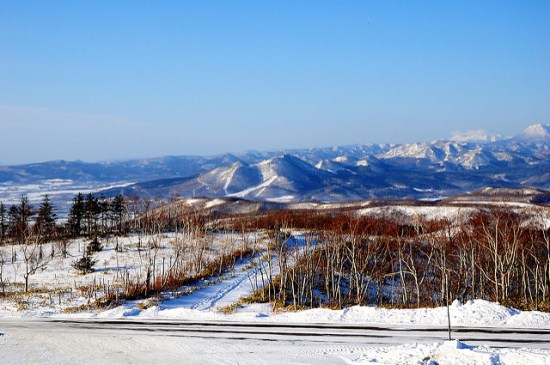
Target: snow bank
476,313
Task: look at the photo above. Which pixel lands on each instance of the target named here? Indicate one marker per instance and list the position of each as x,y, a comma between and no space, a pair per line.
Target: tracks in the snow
330,333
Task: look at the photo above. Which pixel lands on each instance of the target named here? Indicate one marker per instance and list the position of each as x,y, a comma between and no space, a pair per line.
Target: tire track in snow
228,285
230,289
218,294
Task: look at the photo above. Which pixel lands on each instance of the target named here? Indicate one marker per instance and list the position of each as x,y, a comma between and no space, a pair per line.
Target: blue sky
97,80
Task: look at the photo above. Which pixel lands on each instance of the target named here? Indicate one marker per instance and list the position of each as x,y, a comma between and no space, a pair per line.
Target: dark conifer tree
117,211
3,222
104,212
45,220
13,221
91,214
19,217
76,215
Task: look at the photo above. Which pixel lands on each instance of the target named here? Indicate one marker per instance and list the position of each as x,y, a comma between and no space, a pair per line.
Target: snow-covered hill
535,133
426,170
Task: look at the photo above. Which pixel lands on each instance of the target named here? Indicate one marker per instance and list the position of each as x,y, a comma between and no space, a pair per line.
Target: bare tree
2,262
34,259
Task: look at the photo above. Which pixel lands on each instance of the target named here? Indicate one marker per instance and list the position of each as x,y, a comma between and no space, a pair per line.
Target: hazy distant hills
131,170
416,170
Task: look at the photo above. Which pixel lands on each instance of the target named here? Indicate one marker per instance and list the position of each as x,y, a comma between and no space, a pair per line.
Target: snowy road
535,338
168,341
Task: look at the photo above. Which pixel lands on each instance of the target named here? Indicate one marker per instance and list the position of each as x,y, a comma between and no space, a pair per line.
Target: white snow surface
39,347
535,133
429,213
78,347
199,306
204,303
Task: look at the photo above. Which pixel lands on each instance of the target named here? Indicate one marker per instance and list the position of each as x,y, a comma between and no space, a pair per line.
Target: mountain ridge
422,170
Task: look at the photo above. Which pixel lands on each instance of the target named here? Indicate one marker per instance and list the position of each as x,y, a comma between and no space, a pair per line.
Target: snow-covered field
58,286
428,213
60,191
48,345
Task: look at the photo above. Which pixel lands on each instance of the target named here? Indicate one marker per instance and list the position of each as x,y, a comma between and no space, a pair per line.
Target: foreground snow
86,346
476,313
23,346
448,352
19,346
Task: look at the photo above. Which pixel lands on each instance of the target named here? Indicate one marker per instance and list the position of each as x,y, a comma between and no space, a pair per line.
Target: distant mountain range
430,170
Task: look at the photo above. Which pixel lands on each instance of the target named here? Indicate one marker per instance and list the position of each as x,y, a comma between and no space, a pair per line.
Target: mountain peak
535,133
478,135
284,159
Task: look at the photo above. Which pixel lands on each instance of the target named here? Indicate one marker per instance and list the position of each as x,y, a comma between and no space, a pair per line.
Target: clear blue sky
96,80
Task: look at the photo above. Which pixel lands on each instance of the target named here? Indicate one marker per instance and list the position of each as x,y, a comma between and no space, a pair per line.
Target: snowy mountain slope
418,151
332,166
535,133
281,176
225,180
476,158
416,170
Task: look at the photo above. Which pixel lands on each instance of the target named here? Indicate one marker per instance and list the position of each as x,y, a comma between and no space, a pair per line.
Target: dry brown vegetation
339,259
496,254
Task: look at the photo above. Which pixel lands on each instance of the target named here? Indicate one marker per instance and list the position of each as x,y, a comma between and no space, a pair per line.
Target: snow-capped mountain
283,177
535,134
476,158
416,151
415,170
476,136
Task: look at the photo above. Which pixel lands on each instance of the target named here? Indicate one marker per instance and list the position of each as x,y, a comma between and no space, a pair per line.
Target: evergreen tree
76,215
85,264
13,221
117,211
45,220
92,211
3,222
26,211
19,217
104,212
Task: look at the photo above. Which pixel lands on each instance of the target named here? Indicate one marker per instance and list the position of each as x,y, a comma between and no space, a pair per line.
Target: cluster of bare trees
497,254
339,259
192,257
35,236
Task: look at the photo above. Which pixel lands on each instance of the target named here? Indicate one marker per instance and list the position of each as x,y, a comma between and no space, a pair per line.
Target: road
166,341
331,333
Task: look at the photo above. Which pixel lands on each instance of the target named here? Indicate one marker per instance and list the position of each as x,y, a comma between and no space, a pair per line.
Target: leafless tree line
498,254
340,259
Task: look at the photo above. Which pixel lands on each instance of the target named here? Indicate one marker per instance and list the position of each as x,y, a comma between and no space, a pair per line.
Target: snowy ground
47,343
133,342
60,191
58,286
428,213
